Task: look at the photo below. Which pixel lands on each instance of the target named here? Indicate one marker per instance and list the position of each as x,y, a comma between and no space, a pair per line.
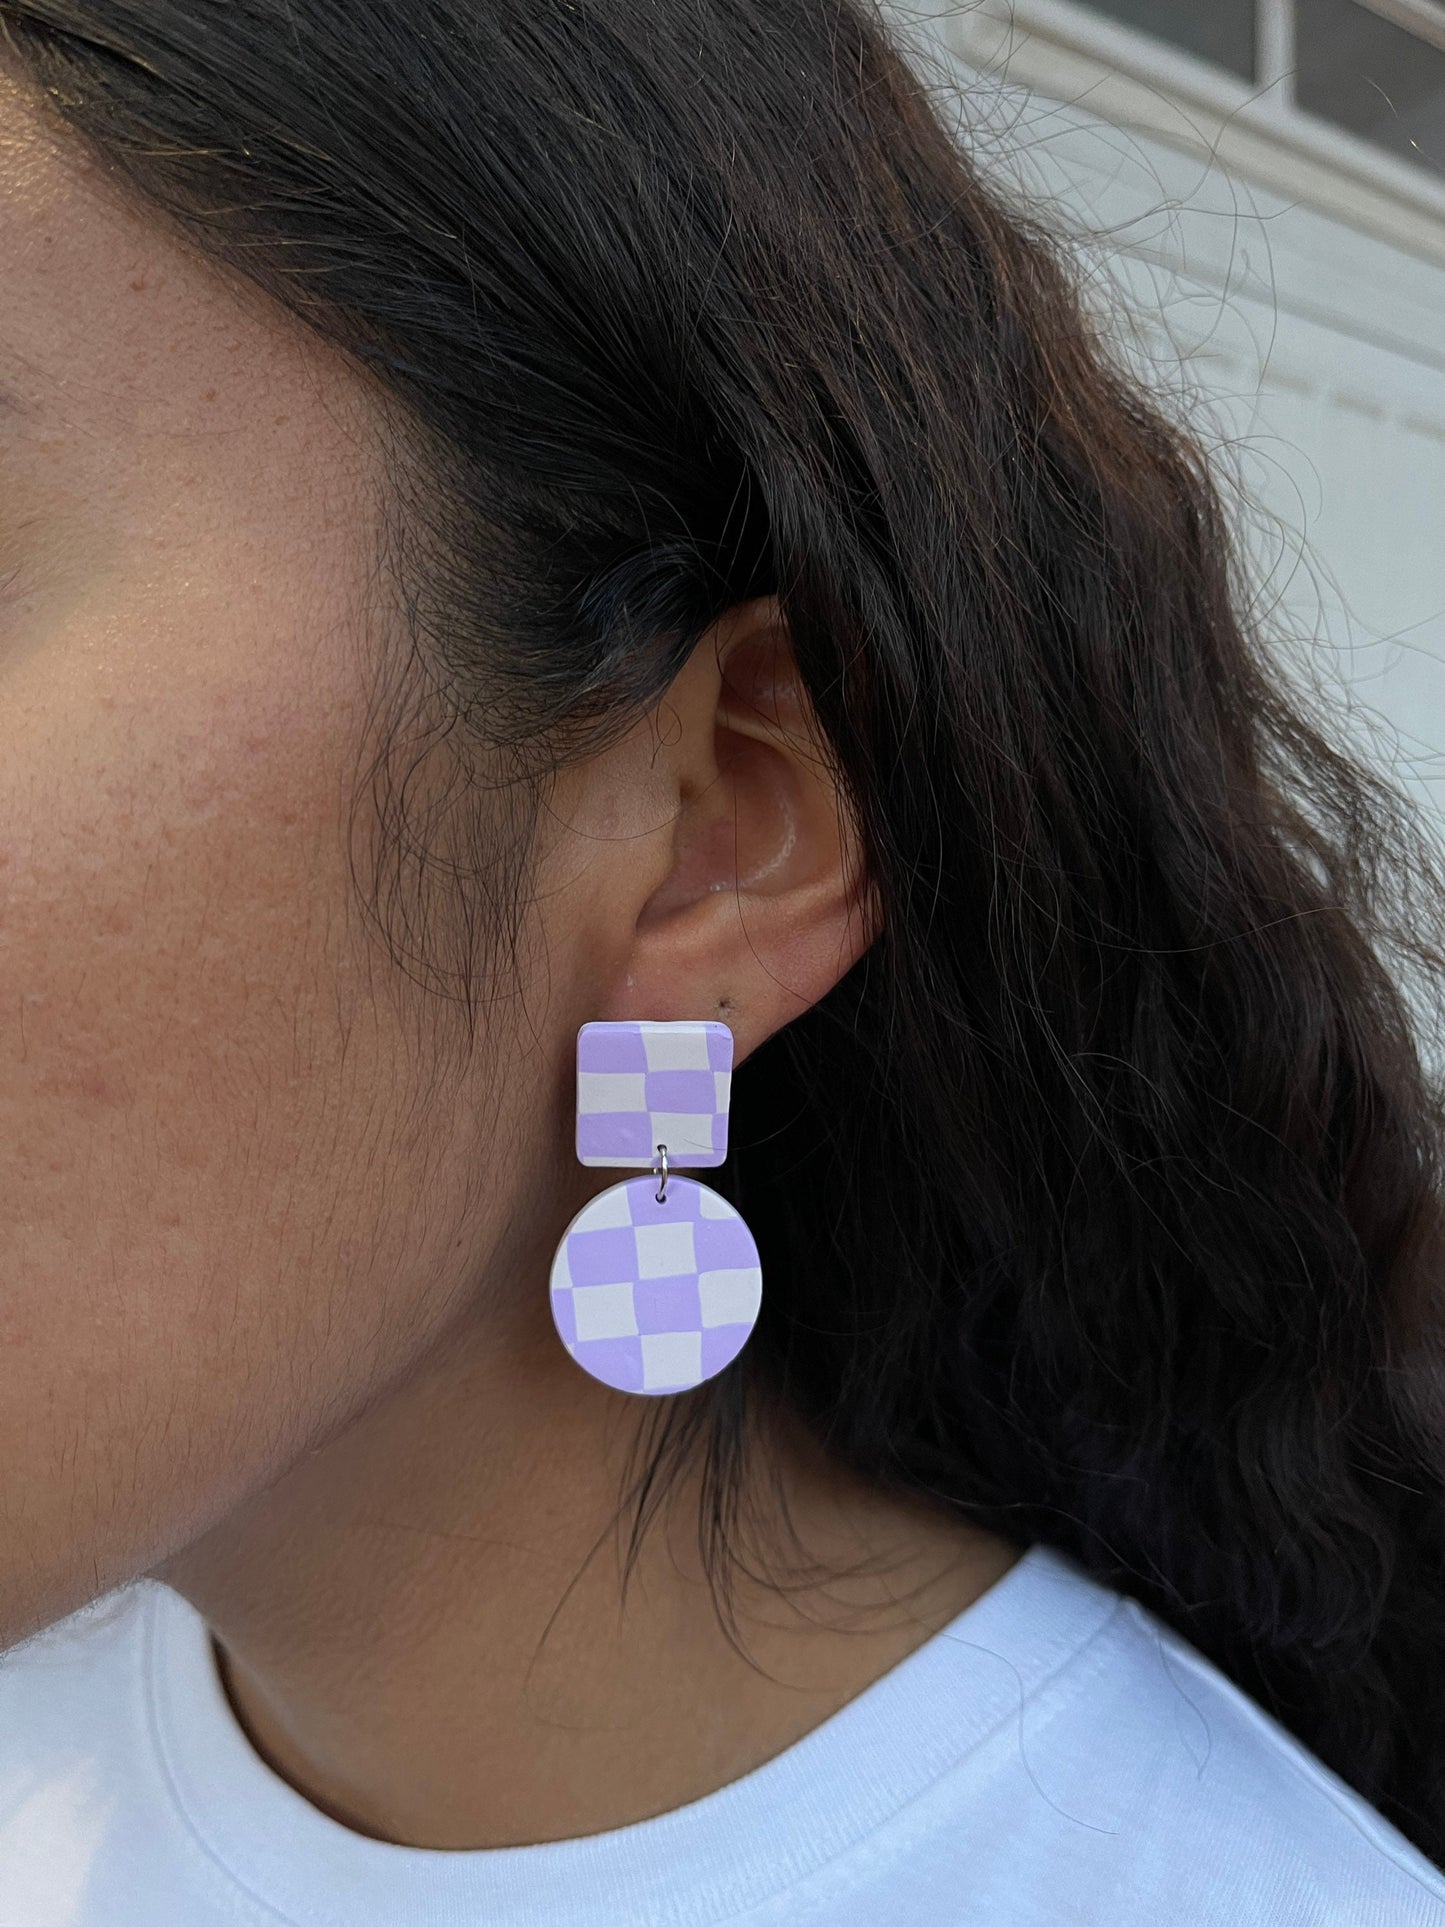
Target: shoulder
100,1639
75,1689
1142,1761
71,1752
1057,1754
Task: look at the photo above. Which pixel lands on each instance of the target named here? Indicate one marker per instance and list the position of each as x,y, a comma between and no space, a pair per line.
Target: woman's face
237,1191
254,1174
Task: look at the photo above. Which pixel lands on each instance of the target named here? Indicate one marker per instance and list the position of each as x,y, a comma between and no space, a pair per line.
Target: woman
518,518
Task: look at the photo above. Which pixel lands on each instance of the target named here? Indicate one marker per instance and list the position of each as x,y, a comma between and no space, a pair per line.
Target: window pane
1372,77
1217,30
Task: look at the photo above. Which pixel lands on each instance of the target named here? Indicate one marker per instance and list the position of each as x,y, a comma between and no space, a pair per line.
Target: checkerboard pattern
653,1297
642,1084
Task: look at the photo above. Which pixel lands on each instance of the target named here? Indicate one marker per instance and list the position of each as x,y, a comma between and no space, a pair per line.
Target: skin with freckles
273,1247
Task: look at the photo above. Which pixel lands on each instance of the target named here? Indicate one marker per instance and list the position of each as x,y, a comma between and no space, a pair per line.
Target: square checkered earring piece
643,1084
656,1285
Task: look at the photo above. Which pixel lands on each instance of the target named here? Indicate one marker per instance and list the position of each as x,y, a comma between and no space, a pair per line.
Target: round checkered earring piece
653,1296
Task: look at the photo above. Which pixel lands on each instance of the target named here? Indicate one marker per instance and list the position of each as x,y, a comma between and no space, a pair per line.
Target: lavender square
606,1257
667,1305
641,1084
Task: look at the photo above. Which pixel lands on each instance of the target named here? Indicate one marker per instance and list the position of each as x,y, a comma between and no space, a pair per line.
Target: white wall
1303,325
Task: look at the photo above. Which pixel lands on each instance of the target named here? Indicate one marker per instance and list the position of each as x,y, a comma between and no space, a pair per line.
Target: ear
726,878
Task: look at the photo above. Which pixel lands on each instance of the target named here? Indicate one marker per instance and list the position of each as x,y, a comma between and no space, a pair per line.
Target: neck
421,1625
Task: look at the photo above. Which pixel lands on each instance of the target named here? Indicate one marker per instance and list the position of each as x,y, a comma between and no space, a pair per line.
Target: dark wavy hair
1100,1201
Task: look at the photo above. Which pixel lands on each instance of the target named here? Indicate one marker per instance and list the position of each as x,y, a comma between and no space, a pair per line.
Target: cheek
198,1089
162,957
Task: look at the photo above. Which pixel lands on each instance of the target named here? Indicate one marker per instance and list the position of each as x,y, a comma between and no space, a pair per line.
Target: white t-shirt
1055,1755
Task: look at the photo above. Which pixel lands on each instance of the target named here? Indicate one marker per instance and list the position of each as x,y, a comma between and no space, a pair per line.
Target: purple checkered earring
656,1283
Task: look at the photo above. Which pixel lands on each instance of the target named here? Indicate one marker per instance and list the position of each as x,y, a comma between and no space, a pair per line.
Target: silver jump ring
662,1186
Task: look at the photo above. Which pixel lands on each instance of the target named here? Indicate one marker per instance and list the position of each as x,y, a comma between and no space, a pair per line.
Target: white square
610,1210
604,1311
675,1047
722,1091
683,1132
671,1358
599,1092
730,1297
665,1251
713,1205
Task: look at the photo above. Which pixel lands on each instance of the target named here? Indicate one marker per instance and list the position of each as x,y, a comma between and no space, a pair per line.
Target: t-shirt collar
701,1863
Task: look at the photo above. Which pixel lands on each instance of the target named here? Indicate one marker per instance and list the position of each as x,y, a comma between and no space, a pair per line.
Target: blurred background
1257,190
